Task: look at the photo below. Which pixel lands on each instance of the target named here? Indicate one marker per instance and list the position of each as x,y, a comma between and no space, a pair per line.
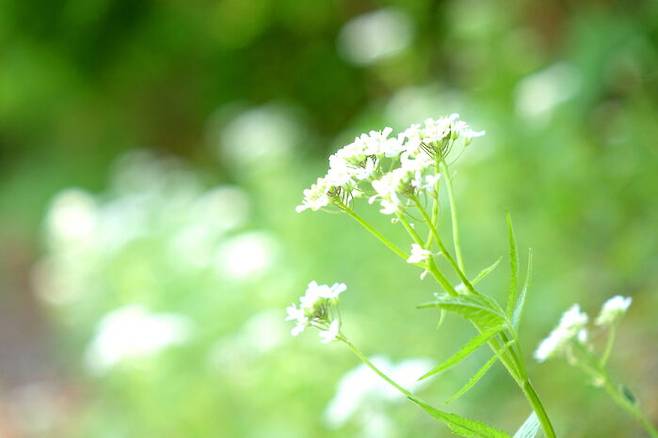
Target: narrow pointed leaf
461,426
514,267
478,375
529,428
465,351
518,310
486,271
473,380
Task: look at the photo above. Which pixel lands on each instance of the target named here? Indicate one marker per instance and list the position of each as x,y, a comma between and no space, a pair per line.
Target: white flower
613,309
361,389
331,333
298,315
418,254
571,325
316,197
316,307
387,187
133,332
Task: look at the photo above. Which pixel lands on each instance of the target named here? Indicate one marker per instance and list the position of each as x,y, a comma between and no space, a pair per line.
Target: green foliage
470,347
474,308
513,292
462,426
475,378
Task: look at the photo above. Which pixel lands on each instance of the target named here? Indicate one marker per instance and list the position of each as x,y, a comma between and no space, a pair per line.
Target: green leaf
529,428
486,271
514,267
475,308
473,380
478,375
461,426
518,309
465,351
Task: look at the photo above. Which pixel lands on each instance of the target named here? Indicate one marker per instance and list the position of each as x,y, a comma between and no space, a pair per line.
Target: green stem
435,209
372,366
390,245
431,265
538,407
608,346
600,375
633,409
455,265
453,216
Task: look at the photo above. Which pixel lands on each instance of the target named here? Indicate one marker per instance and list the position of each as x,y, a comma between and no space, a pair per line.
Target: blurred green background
152,154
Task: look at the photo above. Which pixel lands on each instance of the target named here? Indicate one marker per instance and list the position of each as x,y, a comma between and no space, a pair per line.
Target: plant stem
372,366
538,407
600,375
453,216
622,401
458,269
390,245
431,265
608,346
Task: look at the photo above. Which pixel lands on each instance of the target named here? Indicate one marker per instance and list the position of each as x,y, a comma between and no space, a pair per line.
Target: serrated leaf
520,304
486,271
529,428
462,426
478,375
514,267
465,351
478,309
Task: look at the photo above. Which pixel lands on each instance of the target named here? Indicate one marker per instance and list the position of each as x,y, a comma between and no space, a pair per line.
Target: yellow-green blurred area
152,154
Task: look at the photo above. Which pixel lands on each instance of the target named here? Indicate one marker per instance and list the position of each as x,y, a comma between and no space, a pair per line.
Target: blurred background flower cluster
152,154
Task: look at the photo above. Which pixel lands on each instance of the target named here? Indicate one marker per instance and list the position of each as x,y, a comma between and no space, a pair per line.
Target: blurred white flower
375,35
132,332
72,218
539,94
418,254
571,326
360,388
613,309
331,333
246,255
260,135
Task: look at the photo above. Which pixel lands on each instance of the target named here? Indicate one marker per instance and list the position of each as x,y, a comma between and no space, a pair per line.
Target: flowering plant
571,340
404,175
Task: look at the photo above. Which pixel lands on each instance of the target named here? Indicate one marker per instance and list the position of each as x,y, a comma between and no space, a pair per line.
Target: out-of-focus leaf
529,428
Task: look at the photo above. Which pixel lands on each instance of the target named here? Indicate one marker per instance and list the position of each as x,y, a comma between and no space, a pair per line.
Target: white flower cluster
385,168
571,326
317,308
612,310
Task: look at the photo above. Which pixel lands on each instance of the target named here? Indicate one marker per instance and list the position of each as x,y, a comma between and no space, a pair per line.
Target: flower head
388,167
571,326
317,308
613,309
